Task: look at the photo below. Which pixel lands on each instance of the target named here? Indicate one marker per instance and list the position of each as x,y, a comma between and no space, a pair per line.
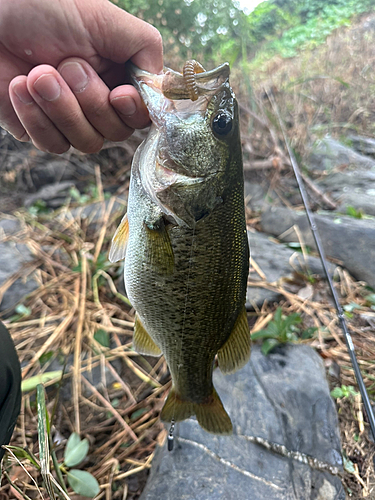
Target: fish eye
222,123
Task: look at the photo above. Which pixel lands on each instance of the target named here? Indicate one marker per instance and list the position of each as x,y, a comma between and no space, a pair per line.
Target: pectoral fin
120,241
235,353
142,342
160,253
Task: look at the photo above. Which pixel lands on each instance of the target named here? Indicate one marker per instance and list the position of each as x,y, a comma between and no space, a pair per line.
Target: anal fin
142,342
235,353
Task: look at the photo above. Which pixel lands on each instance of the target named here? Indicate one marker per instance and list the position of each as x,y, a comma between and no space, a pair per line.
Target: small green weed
295,245
37,208
343,392
78,197
353,212
22,312
282,329
76,450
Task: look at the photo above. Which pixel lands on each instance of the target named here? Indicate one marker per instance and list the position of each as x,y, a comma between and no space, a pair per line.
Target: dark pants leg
10,387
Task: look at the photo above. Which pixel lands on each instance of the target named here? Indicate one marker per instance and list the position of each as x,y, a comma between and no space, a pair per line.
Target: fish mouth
168,177
169,92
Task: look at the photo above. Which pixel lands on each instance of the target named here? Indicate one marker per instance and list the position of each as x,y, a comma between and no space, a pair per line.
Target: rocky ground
57,291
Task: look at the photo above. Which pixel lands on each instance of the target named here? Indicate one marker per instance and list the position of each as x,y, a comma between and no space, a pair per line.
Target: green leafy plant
76,450
349,308
102,337
282,329
78,197
353,212
343,392
295,245
22,312
37,208
371,300
82,482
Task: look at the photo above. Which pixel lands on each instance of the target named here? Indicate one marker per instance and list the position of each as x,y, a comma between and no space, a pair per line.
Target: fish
184,238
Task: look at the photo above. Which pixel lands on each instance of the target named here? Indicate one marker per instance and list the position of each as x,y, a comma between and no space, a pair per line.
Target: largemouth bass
184,234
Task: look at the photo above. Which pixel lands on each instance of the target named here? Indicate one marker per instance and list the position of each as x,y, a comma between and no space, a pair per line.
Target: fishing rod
320,248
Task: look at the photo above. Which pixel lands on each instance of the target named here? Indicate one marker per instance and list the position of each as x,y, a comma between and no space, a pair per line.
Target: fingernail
48,87
125,105
22,93
75,76
24,138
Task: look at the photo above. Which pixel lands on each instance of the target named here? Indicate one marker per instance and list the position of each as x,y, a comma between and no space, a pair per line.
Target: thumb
119,36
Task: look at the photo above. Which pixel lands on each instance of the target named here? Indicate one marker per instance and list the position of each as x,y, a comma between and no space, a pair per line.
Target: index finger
122,37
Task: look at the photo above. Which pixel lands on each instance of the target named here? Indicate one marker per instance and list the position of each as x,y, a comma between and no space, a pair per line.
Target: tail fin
211,415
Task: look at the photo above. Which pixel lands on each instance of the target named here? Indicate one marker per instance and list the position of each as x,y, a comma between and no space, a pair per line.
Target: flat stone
283,398
13,256
54,195
355,188
94,212
328,154
362,144
255,195
47,171
344,238
274,259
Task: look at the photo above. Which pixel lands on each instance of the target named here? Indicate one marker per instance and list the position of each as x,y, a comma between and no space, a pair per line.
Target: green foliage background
217,30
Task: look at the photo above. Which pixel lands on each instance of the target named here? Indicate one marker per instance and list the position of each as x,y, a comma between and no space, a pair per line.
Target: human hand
62,72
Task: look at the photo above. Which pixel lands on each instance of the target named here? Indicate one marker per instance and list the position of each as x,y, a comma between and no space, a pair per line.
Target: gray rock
54,195
13,256
344,238
47,171
274,260
362,144
94,211
354,188
363,202
255,196
283,398
327,154
9,226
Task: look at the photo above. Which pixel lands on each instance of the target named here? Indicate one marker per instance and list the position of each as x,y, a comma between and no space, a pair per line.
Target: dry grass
329,90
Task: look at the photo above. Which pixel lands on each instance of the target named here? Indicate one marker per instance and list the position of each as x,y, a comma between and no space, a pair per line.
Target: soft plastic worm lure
191,68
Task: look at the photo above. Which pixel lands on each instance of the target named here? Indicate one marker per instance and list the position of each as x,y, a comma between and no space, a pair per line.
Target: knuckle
36,128
98,108
67,121
22,137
